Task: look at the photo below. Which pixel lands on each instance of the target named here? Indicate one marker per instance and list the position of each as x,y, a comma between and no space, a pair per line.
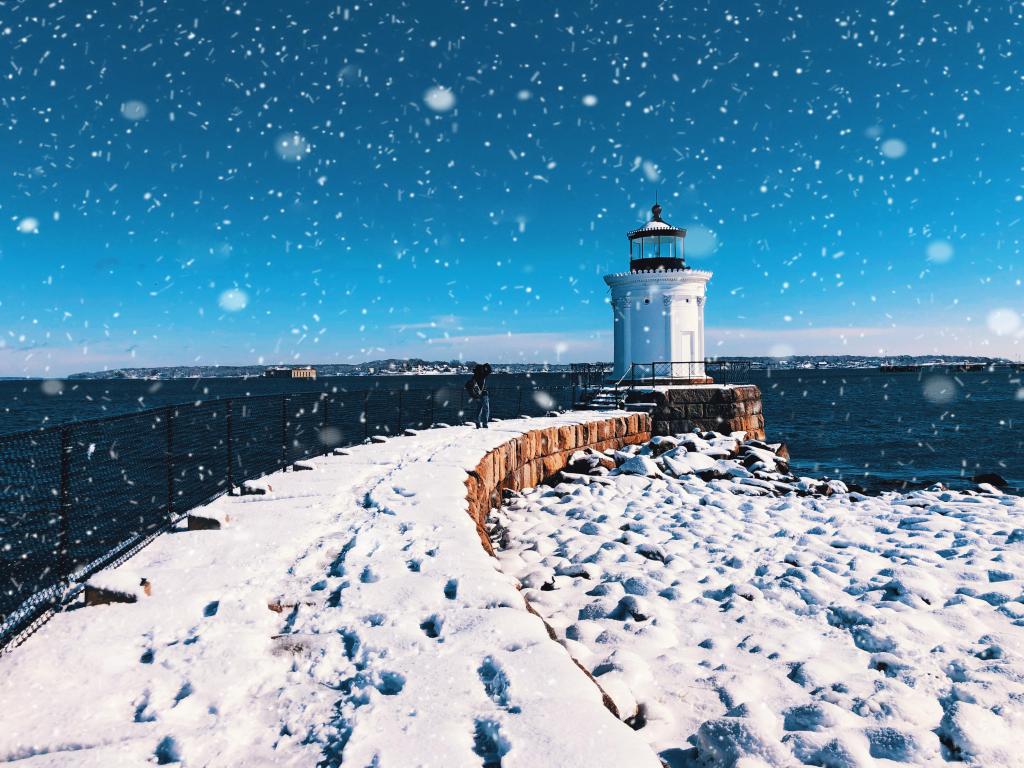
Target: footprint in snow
183,693
167,751
496,684
431,626
391,683
451,589
488,742
143,714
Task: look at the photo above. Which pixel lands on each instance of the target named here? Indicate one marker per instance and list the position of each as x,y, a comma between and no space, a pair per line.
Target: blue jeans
483,410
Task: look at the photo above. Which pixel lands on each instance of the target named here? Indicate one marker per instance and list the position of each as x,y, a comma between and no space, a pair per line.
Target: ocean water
873,428
881,429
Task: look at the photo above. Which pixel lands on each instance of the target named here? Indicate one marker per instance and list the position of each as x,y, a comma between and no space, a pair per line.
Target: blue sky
249,182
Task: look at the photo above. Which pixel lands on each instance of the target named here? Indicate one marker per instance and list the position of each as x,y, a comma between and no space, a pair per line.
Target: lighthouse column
626,307
670,336
700,335
619,334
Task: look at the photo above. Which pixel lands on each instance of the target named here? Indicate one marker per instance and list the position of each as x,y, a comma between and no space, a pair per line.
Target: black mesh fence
79,496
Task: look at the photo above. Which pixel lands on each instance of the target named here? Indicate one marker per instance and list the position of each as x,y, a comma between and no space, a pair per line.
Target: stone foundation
526,460
724,408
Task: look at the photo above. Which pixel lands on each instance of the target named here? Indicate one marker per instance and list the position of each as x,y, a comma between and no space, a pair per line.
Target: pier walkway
348,613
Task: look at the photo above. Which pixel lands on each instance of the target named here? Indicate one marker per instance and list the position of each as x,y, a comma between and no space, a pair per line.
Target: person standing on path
477,388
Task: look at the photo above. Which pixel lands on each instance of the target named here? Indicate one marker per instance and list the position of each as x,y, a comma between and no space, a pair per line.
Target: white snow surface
783,629
398,641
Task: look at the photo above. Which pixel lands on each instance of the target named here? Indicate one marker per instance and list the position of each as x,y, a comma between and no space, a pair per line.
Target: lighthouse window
647,301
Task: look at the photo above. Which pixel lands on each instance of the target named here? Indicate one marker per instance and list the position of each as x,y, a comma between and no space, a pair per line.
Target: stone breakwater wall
722,408
528,459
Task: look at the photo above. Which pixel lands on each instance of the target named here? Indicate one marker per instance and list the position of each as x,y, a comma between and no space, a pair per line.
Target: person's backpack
473,388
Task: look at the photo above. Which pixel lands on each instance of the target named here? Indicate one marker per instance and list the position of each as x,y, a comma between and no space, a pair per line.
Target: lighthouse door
684,353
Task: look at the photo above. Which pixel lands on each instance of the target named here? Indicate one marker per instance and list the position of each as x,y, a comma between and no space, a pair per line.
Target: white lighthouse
658,307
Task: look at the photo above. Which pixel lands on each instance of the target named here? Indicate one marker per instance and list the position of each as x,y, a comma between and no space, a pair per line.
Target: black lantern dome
656,245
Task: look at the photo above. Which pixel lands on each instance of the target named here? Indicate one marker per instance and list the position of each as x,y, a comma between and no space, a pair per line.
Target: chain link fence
77,497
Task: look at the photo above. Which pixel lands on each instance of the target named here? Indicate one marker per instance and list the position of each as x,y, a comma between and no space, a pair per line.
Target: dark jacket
477,386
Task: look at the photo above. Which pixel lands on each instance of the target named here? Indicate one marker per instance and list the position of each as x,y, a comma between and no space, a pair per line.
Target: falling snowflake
292,147
1003,321
233,300
939,390
439,99
894,148
939,251
700,241
134,110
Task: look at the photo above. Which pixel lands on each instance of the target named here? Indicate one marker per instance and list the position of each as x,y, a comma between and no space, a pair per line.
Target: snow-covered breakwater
735,612
392,638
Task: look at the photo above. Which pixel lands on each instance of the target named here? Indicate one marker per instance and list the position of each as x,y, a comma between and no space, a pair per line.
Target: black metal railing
79,496
586,375
650,374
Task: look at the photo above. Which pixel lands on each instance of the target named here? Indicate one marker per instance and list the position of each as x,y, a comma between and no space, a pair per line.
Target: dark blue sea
877,429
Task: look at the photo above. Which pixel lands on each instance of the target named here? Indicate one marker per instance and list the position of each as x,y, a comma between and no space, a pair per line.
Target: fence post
169,459
366,414
327,422
231,456
284,430
65,500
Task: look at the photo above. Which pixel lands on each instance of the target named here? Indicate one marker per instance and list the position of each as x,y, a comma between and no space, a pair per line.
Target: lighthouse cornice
658,276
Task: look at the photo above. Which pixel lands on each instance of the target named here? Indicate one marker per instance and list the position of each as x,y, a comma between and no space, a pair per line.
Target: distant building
286,372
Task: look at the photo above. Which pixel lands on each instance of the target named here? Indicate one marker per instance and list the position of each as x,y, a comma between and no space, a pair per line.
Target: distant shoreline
416,367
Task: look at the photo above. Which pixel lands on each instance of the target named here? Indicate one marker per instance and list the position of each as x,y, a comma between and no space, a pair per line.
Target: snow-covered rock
117,585
208,518
638,465
758,619
661,443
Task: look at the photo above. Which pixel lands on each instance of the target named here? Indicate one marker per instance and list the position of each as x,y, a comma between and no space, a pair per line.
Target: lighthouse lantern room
658,308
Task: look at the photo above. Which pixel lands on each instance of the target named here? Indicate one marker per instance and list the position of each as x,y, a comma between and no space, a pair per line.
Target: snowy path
740,622
399,642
